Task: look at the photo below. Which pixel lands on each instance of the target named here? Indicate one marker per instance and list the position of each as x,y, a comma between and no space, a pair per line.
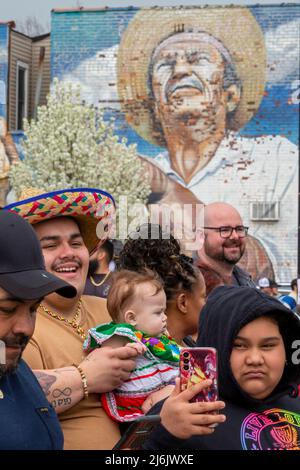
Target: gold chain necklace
73,323
98,284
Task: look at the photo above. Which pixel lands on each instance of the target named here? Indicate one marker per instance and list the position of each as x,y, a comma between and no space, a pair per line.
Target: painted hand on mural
165,189
255,260
169,197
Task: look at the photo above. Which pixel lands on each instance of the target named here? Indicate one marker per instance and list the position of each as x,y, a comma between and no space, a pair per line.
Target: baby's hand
139,347
155,397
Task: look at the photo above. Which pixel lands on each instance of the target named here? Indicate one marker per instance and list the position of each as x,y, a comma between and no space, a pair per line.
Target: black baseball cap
22,266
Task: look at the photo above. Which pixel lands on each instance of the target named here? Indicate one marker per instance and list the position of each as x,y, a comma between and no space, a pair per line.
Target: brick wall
107,52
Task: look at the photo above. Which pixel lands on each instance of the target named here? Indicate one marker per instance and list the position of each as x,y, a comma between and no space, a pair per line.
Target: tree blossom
71,145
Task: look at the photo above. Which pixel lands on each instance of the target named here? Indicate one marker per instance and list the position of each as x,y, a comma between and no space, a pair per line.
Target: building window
261,211
22,93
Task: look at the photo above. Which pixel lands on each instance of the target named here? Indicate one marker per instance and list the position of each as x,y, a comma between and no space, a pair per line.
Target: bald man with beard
223,246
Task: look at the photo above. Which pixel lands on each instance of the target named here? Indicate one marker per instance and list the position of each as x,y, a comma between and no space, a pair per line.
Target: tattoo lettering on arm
46,381
63,387
62,397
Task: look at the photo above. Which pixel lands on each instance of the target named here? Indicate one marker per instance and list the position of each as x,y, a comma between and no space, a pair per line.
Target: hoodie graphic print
274,429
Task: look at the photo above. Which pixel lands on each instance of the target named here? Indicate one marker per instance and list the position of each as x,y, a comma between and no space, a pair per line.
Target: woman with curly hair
150,247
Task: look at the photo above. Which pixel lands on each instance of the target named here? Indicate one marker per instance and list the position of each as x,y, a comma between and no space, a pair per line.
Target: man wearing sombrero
67,223
188,80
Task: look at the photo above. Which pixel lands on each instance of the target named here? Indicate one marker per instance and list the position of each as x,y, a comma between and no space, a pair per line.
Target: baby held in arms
137,302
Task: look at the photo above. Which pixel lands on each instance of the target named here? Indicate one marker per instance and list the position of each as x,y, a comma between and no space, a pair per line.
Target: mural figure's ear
233,97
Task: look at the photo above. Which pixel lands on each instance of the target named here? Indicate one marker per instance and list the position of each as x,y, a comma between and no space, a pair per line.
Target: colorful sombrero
235,27
88,206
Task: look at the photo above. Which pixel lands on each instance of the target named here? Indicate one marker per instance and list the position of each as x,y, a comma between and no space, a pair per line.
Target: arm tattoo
45,380
62,397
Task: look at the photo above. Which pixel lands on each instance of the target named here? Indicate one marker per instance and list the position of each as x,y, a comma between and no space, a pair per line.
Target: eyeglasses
226,232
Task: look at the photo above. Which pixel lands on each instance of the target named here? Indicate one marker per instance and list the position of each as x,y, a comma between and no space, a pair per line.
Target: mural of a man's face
187,83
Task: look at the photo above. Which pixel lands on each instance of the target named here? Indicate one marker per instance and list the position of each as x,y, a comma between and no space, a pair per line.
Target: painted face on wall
187,84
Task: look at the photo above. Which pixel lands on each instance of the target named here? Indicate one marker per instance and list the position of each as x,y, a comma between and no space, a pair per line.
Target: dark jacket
241,278
269,424
28,421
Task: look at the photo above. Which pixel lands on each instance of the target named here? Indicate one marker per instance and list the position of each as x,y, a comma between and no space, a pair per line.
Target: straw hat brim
88,206
235,27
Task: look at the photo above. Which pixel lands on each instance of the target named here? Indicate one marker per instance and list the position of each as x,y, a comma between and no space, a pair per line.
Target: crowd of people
84,364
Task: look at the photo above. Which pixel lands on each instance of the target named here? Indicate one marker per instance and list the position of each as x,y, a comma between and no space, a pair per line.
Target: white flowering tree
70,145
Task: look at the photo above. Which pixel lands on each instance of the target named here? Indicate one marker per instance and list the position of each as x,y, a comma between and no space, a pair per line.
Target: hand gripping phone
197,364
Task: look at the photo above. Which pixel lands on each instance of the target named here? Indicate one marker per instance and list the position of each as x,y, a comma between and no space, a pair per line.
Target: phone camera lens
186,361
186,367
185,354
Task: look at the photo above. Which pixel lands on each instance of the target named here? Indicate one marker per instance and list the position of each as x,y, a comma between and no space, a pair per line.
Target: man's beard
233,260
222,256
5,370
14,340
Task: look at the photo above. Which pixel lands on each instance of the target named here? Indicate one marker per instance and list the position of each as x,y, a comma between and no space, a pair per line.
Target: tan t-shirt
55,344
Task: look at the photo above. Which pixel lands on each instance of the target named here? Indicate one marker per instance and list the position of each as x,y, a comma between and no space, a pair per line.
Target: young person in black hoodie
258,343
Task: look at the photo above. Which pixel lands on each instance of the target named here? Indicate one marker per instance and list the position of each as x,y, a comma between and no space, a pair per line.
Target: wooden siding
45,87
20,50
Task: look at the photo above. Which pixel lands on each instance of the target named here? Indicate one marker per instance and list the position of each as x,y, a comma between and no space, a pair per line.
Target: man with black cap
69,223
29,420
